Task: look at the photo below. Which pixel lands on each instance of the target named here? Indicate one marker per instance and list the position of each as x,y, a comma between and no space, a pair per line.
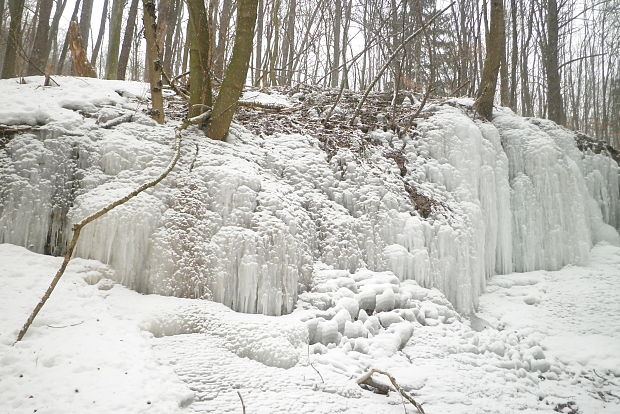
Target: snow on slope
251,222
99,347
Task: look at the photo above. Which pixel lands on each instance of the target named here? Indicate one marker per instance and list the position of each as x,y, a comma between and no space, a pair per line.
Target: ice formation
253,222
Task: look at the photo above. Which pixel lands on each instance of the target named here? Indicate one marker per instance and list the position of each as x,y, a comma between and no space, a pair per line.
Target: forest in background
560,61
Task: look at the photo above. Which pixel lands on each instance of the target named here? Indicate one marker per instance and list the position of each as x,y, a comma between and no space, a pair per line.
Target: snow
126,352
331,259
252,222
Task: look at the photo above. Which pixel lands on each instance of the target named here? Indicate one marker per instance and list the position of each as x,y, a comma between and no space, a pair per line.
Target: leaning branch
77,228
392,57
578,59
366,379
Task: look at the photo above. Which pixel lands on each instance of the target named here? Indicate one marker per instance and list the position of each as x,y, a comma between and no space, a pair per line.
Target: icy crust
368,312
249,223
99,347
275,342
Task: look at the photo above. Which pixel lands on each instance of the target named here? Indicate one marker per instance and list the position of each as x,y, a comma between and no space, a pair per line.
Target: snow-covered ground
542,341
372,251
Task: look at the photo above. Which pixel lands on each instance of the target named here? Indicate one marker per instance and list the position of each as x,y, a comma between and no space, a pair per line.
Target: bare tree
13,44
152,59
236,73
496,43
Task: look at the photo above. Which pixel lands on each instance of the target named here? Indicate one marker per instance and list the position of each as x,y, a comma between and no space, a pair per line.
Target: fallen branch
77,228
118,120
271,106
175,88
366,379
242,404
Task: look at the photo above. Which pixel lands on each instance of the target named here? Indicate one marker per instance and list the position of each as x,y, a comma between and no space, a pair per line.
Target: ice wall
248,223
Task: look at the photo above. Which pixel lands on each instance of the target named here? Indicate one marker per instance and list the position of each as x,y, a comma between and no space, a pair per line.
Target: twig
191,167
118,120
242,403
65,326
77,228
366,379
459,88
317,371
174,87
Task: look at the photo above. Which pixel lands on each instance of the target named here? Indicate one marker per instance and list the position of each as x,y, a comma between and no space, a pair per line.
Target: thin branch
578,59
242,403
77,228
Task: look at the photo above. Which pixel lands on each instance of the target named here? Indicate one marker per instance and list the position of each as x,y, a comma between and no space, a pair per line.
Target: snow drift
253,222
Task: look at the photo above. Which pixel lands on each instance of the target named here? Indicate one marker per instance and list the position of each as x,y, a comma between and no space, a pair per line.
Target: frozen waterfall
248,225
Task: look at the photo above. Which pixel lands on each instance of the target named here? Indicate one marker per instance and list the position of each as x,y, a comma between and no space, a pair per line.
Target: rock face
246,223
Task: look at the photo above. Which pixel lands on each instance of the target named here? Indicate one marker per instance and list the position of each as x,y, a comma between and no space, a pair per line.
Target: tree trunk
51,39
127,40
555,105
16,8
97,48
81,65
258,57
273,61
504,91
336,55
116,20
288,45
171,31
65,46
495,50
152,59
2,18
200,62
514,57
222,37
163,10
85,17
232,86
38,57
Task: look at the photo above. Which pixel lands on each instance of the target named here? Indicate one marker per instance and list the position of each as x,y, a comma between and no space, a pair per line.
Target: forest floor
542,342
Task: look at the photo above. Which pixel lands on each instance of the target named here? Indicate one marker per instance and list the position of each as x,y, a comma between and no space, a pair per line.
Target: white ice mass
375,252
250,222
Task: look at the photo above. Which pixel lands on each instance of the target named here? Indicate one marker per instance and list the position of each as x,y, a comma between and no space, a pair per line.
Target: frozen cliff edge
251,223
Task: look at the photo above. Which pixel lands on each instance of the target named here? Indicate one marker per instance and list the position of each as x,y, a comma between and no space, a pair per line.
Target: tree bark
232,86
495,50
51,39
152,59
127,40
38,56
222,37
116,20
65,46
85,17
81,65
102,23
200,62
336,55
555,105
16,8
